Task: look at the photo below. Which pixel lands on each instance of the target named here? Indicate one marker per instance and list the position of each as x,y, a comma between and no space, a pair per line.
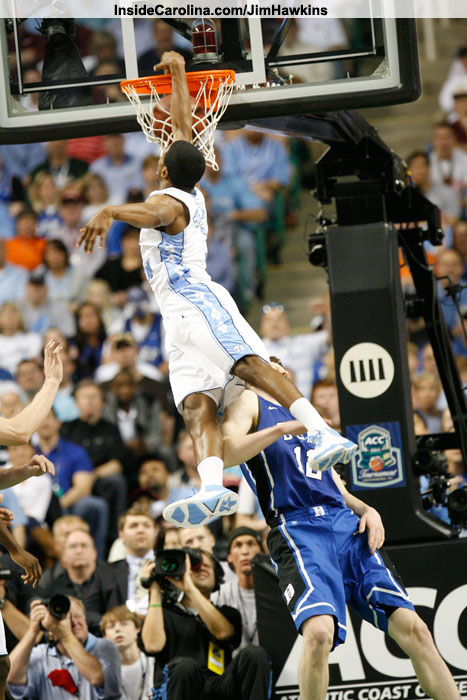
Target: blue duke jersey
281,475
171,261
321,560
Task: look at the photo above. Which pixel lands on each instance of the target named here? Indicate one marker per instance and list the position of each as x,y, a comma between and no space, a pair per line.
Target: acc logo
197,217
289,593
367,370
379,461
148,270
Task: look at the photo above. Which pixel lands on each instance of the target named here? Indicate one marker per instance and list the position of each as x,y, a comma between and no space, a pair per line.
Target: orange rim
163,83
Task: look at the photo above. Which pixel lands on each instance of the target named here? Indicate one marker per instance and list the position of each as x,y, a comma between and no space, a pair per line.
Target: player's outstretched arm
239,418
180,105
18,430
37,466
370,519
156,211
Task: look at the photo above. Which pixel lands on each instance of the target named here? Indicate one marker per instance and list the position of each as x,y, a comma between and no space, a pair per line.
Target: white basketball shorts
205,336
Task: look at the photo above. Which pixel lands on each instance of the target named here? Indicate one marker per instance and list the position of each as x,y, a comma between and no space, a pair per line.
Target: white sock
211,471
302,410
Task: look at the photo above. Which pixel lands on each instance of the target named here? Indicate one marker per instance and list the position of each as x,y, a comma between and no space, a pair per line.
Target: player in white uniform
212,349
17,431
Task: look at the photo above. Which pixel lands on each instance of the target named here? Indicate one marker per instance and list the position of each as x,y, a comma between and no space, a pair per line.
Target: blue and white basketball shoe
330,448
210,502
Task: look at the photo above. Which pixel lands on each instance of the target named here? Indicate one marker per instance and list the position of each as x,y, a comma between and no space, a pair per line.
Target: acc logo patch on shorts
289,593
379,461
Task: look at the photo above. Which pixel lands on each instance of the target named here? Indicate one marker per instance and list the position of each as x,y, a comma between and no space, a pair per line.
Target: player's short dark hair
185,164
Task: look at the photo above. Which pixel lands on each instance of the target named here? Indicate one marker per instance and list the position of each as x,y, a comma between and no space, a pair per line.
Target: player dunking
319,547
212,349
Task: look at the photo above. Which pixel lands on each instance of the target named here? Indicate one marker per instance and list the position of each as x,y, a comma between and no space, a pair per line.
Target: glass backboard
61,77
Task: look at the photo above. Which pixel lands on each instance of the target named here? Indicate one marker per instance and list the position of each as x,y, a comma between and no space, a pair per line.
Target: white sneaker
208,503
330,448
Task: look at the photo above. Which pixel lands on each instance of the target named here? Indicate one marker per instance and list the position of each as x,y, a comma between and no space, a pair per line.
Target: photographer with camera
192,641
72,660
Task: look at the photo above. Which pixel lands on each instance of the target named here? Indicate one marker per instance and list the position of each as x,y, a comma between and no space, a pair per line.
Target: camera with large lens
57,31
429,462
434,465
63,68
58,606
171,562
457,506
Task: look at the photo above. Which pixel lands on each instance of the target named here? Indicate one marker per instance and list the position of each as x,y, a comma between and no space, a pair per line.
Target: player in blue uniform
319,547
212,350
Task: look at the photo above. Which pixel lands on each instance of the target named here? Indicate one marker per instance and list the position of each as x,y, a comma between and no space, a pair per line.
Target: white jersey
171,260
205,334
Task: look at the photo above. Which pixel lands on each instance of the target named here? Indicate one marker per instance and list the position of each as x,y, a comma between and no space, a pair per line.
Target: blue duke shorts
322,565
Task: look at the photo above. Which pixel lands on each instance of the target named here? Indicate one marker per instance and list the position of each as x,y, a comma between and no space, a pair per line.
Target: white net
208,107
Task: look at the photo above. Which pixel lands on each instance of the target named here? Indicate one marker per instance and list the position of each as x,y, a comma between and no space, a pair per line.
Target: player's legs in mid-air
212,500
211,343
329,446
200,415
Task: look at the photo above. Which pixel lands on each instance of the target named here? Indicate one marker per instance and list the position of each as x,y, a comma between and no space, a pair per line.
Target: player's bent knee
318,634
410,631
198,410
420,633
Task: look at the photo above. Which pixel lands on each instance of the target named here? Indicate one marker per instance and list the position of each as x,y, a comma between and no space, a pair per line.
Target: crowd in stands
119,447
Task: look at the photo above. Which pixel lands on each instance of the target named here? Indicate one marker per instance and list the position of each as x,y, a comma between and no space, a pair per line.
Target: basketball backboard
288,67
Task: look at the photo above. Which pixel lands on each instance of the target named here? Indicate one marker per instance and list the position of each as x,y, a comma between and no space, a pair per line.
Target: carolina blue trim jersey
176,260
281,475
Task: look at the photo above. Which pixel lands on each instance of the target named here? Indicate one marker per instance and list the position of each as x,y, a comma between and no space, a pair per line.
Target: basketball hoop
210,93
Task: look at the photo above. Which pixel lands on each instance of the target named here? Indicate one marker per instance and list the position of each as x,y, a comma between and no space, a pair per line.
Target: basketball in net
210,93
161,113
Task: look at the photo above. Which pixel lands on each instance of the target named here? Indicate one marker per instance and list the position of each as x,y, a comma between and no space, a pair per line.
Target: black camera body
457,506
435,466
171,562
56,31
62,64
58,606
